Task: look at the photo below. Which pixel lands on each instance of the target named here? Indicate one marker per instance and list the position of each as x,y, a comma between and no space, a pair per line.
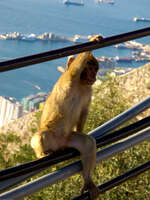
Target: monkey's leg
86,145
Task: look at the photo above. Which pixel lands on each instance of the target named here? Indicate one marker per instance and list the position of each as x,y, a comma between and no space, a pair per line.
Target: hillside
134,87
110,98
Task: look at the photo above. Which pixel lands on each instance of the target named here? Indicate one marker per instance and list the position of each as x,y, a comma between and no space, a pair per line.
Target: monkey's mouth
90,81
88,78
91,78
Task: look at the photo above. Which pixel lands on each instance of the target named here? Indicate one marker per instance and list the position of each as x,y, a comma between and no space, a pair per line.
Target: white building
10,109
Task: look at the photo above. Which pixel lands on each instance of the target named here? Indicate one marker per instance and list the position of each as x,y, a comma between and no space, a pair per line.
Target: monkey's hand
96,38
93,190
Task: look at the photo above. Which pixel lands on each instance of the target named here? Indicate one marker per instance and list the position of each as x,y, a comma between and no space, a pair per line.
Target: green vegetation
107,103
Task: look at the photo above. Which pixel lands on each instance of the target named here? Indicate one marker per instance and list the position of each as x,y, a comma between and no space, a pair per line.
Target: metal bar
61,174
12,176
70,50
121,118
57,157
118,180
12,181
38,165
123,132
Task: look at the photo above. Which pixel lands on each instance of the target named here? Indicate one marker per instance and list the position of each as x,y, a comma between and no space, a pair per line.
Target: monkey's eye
93,68
91,62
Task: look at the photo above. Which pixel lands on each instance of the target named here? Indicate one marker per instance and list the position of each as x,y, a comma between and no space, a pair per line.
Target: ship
130,45
106,1
69,2
142,19
123,59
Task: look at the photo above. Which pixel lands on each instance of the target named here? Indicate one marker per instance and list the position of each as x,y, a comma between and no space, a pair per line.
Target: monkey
64,115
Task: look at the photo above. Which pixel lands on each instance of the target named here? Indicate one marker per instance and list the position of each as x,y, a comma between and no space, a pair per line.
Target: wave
44,37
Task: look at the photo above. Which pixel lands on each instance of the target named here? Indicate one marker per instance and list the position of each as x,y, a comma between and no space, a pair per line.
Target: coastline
135,86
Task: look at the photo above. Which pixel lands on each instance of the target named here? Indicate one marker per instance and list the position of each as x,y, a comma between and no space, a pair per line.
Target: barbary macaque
65,113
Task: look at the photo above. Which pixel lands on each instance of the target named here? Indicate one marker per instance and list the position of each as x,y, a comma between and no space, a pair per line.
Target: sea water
39,16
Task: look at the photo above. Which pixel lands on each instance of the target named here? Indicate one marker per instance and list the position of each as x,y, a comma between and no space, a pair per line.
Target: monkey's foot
93,190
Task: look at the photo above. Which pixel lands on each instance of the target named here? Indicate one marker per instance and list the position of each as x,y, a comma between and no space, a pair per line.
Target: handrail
69,170
19,173
12,176
62,52
97,133
105,131
118,180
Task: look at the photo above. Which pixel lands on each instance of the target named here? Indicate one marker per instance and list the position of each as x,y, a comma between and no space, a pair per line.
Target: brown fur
65,113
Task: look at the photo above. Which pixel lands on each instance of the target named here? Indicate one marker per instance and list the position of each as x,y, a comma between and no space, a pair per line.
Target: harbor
11,109
139,51
47,36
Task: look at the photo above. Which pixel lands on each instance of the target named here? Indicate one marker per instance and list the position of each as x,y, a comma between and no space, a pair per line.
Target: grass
107,102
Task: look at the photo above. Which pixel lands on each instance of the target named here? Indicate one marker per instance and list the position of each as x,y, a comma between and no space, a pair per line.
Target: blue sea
39,16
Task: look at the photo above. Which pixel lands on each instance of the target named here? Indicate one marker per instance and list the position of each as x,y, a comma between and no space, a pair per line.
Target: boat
69,2
53,37
80,38
123,59
37,87
106,1
138,19
130,45
107,62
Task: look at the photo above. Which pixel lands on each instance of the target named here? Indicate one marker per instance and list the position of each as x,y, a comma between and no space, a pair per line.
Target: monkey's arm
81,122
78,64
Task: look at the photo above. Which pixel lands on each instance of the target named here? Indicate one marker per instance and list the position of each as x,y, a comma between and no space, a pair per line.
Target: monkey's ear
91,56
70,60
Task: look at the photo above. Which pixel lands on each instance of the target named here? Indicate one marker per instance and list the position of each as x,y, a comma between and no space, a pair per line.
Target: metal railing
69,170
103,134
62,52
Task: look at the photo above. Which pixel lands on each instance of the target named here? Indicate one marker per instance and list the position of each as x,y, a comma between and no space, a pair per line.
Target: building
32,102
10,109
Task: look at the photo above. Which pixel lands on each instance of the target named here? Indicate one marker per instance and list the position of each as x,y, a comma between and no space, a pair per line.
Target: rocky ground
135,85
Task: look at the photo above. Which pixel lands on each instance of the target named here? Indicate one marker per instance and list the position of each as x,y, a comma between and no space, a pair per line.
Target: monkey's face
88,76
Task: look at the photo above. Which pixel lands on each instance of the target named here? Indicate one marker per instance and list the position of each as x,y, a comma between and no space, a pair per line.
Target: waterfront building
10,109
32,102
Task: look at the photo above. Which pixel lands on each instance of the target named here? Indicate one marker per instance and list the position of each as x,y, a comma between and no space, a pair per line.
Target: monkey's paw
92,189
96,38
